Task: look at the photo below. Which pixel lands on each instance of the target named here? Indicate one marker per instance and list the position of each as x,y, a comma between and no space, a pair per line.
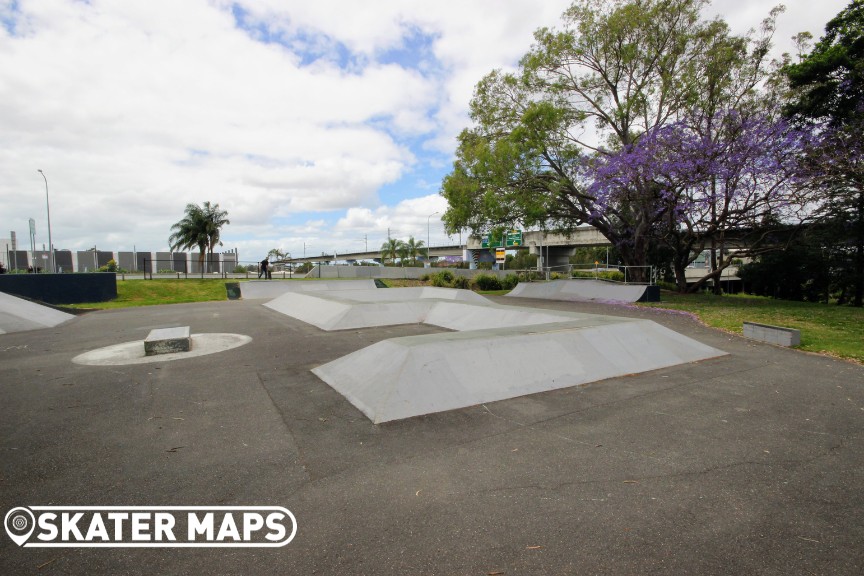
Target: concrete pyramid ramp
579,290
415,375
350,309
267,289
18,315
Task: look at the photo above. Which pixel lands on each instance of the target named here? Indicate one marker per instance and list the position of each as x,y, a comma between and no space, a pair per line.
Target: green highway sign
513,239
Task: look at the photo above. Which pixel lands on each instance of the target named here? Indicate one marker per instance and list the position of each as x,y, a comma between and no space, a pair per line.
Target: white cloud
134,109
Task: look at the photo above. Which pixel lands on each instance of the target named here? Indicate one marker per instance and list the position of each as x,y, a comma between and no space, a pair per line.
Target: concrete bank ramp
267,289
579,290
18,315
496,351
348,309
416,375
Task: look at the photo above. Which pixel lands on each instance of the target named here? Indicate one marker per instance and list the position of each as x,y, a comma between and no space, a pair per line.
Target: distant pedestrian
264,269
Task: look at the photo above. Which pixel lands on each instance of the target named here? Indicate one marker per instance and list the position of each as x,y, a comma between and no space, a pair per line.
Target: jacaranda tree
547,140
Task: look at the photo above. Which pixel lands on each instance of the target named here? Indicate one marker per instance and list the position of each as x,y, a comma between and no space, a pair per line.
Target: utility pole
48,206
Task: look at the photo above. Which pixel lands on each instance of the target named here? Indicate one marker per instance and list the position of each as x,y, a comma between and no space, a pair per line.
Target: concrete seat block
167,341
772,334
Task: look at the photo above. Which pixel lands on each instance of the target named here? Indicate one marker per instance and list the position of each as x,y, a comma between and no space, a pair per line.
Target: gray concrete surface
579,290
746,464
269,289
18,315
484,361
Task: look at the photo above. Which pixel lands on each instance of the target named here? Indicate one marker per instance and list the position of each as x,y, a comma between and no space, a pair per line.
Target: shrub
111,266
613,275
510,281
165,271
443,279
486,282
424,278
461,282
241,269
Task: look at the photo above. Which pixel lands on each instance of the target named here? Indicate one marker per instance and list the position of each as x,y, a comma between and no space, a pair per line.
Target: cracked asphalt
752,463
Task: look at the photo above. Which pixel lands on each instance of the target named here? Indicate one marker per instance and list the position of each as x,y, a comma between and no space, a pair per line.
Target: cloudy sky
314,123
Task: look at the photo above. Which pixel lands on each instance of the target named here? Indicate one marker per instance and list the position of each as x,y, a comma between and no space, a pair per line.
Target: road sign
512,239
500,255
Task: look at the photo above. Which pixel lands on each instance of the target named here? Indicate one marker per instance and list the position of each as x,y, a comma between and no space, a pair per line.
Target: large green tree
827,92
828,83
615,71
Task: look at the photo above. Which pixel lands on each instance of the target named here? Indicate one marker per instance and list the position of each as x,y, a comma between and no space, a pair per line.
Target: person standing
264,269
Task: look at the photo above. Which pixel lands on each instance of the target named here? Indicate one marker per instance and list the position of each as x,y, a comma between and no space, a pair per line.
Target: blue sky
321,123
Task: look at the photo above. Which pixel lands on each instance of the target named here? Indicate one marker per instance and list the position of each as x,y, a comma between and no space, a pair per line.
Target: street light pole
50,244
428,261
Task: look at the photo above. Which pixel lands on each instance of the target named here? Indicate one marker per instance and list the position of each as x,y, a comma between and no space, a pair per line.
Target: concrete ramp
18,315
416,375
495,351
267,289
579,290
351,309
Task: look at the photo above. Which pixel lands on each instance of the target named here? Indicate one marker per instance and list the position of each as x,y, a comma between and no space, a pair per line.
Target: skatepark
727,456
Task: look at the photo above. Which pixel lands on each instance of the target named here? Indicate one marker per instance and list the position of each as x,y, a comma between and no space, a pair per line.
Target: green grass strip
825,328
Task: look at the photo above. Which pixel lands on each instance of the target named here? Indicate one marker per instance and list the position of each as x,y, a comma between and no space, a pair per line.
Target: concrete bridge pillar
475,256
559,256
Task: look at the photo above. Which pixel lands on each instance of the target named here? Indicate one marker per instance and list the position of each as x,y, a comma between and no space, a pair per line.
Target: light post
48,206
428,261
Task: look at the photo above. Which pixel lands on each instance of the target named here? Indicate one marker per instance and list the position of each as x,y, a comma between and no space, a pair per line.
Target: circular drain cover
133,352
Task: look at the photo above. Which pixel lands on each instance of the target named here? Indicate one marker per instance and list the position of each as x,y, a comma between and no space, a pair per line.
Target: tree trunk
858,299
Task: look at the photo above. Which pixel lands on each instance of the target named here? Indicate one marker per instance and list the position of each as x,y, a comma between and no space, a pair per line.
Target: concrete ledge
772,334
167,341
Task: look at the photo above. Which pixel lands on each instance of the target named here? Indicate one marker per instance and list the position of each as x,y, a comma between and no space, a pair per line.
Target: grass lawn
825,328
151,292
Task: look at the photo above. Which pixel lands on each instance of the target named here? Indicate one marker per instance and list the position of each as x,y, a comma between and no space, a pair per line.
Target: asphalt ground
752,463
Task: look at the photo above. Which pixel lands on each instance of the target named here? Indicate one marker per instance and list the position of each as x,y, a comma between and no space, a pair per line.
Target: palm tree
415,248
200,228
402,250
390,249
216,219
191,232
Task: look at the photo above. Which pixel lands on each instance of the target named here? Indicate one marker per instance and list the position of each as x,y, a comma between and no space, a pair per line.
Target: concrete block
167,341
772,334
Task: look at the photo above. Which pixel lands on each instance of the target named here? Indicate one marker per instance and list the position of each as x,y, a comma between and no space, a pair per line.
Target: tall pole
48,206
427,237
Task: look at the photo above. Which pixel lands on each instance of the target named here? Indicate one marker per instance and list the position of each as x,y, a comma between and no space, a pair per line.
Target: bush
613,275
443,279
462,282
165,271
424,278
486,282
241,269
509,282
111,266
